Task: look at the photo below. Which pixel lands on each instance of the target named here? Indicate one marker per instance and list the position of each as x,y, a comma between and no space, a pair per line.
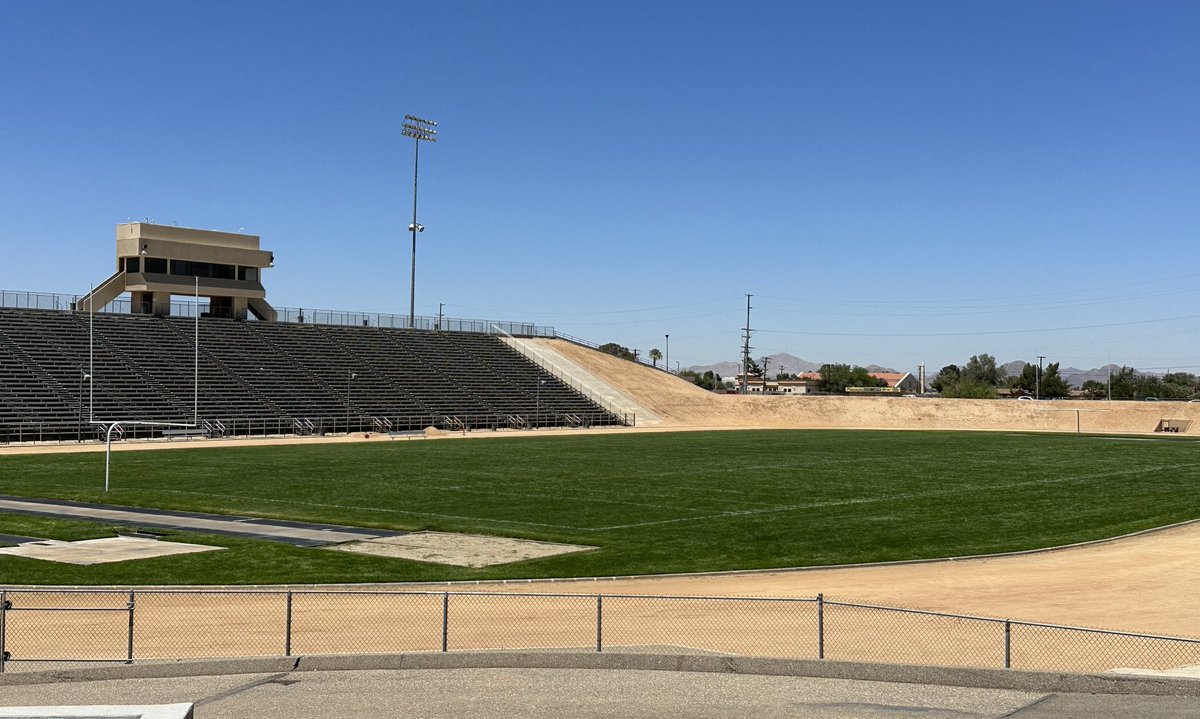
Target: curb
1048,682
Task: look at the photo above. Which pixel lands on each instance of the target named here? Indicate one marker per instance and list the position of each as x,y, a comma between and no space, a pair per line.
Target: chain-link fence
63,626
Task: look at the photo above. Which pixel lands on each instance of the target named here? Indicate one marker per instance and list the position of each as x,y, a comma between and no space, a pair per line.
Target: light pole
419,130
1037,386
349,376
537,415
79,391
667,359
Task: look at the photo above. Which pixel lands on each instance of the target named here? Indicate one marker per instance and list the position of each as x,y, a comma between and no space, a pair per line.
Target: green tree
655,356
983,368
709,380
1095,389
1052,384
1026,381
1124,383
613,348
837,377
968,388
1180,385
947,377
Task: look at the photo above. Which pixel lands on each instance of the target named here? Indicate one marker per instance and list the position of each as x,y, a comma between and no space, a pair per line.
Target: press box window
156,264
248,274
133,264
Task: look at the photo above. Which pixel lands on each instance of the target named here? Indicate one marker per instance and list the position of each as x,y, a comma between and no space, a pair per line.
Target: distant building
810,382
155,262
903,381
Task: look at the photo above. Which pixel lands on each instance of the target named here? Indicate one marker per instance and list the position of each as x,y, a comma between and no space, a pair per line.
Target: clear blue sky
895,182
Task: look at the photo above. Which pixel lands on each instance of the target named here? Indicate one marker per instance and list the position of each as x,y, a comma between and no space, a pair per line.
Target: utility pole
921,376
766,363
746,348
667,359
1037,392
439,324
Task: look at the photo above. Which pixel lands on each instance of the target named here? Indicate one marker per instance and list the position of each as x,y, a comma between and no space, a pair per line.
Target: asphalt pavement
495,686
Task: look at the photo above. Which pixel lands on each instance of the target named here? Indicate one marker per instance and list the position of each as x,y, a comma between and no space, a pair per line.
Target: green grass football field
652,502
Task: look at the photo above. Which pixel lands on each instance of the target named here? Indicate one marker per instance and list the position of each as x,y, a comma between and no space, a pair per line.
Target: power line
699,303
1058,293
982,332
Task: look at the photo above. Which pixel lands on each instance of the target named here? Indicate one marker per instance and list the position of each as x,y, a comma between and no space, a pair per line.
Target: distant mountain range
784,362
776,363
1075,376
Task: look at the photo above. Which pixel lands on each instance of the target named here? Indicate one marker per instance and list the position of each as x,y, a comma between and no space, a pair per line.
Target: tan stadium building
155,262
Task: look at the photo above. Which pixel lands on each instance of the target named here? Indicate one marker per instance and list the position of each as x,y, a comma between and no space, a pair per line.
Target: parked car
1025,396
1150,399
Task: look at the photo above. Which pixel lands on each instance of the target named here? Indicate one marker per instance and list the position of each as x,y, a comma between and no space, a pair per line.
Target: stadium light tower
419,130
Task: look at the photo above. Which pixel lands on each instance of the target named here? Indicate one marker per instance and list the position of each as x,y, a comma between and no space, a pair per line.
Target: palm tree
655,356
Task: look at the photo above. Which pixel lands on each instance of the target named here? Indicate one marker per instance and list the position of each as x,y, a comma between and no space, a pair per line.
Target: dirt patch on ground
101,551
1142,583
460,550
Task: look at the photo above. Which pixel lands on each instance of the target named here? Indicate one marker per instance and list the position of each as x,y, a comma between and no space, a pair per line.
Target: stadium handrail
20,299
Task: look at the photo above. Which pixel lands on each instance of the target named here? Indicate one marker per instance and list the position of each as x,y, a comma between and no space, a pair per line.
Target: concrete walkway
502,686
301,534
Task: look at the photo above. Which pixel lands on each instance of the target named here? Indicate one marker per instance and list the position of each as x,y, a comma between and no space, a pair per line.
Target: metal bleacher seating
265,378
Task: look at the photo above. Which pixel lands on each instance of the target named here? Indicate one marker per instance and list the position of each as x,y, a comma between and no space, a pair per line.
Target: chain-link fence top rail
39,626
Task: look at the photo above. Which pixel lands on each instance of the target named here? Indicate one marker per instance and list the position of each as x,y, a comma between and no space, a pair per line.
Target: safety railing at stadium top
40,627
297,315
66,303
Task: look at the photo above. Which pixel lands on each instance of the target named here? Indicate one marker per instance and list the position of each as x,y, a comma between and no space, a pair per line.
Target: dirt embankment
682,404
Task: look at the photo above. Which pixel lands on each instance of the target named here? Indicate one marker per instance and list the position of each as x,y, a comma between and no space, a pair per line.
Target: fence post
820,626
445,621
599,623
287,640
3,628
1007,644
129,655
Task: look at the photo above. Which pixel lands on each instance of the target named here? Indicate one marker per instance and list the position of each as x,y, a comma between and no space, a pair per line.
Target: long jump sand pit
86,552
460,550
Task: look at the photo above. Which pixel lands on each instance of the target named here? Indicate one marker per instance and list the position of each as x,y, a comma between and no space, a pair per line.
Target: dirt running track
1146,583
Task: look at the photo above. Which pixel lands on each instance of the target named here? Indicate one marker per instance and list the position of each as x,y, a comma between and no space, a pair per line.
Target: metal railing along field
228,427
40,627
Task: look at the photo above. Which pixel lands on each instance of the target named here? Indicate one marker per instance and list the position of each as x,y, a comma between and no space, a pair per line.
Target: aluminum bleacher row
266,378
